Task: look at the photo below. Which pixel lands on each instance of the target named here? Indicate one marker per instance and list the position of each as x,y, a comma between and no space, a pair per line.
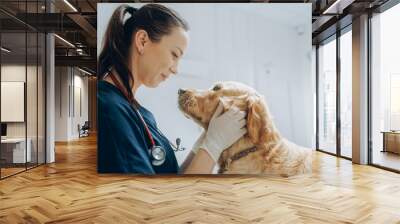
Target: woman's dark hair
157,20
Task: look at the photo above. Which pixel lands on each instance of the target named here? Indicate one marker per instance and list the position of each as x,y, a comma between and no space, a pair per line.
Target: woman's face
158,60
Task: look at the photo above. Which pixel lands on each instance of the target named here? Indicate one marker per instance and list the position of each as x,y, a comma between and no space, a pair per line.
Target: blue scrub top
122,141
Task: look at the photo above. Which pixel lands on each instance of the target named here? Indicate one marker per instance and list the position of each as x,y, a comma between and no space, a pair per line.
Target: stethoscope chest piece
158,155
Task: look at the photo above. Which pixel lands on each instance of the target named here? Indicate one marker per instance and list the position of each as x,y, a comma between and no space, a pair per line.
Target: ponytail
116,47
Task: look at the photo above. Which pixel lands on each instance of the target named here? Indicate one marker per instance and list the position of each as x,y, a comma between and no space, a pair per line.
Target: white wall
267,46
80,83
61,103
67,80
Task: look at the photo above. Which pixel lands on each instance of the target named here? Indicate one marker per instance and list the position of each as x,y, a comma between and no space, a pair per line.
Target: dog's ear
256,118
226,102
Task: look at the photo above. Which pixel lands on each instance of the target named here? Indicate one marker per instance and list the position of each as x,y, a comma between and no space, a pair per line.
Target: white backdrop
266,46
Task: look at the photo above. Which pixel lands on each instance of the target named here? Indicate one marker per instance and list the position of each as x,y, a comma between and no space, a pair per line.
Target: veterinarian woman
143,47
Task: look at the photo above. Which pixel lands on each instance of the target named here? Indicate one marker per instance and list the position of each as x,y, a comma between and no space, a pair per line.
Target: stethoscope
157,153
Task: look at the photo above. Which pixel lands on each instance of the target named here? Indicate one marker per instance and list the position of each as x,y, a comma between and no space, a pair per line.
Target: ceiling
76,22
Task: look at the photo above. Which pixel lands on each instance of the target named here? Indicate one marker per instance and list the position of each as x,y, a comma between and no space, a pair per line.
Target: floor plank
71,191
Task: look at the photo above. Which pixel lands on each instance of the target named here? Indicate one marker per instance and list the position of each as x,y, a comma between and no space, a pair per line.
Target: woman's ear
141,38
256,118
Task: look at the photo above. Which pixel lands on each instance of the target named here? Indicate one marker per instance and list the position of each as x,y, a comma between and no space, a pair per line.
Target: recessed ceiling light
70,5
337,7
5,50
84,71
64,40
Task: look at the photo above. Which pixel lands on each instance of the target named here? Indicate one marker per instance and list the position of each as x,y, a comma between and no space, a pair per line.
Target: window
395,102
385,88
346,94
327,96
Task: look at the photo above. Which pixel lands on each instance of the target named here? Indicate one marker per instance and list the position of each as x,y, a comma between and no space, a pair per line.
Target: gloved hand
223,130
198,142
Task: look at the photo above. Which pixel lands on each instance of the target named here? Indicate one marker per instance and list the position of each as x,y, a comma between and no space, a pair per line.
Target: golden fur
274,154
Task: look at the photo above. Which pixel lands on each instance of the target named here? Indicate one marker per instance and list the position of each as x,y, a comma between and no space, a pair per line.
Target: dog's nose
181,91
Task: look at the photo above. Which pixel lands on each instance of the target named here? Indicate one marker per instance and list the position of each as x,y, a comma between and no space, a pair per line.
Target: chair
84,130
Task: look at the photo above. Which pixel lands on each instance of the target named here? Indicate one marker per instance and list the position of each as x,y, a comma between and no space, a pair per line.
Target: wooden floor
387,159
5,172
70,191
10,171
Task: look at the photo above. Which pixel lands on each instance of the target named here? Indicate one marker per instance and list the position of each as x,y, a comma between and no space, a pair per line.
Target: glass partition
22,79
14,154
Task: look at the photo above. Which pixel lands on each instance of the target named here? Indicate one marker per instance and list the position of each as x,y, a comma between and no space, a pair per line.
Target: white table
18,149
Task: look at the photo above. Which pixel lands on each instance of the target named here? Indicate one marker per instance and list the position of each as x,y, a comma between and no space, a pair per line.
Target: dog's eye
216,88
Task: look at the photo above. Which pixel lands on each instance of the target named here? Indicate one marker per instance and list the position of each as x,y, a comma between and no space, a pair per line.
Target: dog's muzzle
185,100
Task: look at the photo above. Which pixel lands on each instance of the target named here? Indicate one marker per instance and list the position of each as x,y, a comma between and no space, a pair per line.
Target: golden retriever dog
262,150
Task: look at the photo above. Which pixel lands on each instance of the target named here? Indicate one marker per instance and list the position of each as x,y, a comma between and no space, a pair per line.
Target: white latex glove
223,130
199,142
